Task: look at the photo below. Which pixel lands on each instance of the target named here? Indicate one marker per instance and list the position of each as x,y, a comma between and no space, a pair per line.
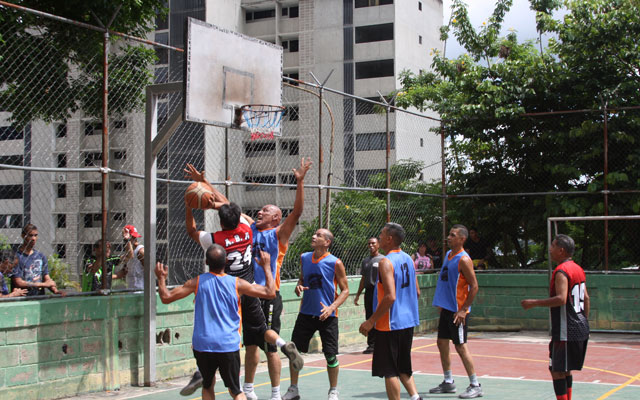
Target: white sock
473,379
415,396
247,387
448,376
280,342
275,391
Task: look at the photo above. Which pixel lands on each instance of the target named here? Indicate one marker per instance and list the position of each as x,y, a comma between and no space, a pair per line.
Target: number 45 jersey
404,311
237,242
568,322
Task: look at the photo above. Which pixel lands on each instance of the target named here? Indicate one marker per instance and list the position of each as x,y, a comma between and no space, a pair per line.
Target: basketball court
509,365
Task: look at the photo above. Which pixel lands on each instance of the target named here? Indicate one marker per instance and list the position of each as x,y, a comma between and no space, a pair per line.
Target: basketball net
262,120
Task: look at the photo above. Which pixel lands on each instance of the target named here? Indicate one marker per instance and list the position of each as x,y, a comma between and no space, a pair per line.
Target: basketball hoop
262,120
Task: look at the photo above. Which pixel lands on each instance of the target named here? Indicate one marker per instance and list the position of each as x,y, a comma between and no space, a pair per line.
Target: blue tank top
217,314
404,311
267,240
320,277
452,288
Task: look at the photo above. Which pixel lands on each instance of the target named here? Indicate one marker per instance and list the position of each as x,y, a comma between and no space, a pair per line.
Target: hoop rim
267,107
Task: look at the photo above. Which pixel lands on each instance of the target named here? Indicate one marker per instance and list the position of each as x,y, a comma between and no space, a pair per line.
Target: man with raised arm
569,307
455,291
395,315
217,317
321,274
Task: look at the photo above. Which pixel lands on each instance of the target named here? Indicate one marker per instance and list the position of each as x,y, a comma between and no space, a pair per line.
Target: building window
421,177
17,159
10,221
119,185
92,189
419,39
61,220
419,6
62,160
162,22
374,141
292,75
162,55
292,113
92,128
288,179
259,149
262,14
120,124
372,3
10,192
259,179
120,155
61,190
161,75
161,192
367,107
374,33
92,159
61,131
10,133
93,220
293,12
421,142
290,147
161,228
121,216
363,175
374,69
61,250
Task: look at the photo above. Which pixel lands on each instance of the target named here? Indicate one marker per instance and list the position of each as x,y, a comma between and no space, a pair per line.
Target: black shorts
392,353
306,325
271,309
567,356
229,365
253,323
448,330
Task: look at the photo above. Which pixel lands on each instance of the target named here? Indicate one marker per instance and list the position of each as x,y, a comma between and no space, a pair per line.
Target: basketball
198,195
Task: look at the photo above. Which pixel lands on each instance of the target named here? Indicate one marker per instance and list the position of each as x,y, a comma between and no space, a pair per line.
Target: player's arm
166,296
49,283
360,288
17,281
255,290
343,284
198,176
285,229
587,303
562,288
247,219
300,284
466,268
190,224
385,273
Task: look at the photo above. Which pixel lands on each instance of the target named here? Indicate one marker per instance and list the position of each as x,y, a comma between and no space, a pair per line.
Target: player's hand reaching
325,311
355,300
264,260
304,167
300,289
161,271
195,175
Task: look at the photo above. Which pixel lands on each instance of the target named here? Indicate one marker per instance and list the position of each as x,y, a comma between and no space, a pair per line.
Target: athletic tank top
267,240
320,277
237,242
568,322
404,311
217,314
452,288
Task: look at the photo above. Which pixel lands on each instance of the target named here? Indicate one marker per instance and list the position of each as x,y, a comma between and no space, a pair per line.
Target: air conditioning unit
62,177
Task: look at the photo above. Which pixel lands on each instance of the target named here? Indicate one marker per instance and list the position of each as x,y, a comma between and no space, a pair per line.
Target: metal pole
226,161
320,158
105,156
606,190
444,189
387,167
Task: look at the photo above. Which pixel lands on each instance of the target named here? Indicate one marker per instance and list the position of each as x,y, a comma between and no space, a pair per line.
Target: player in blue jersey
217,317
321,275
395,314
456,288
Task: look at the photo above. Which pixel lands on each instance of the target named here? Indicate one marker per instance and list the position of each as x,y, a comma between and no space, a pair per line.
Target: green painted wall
61,347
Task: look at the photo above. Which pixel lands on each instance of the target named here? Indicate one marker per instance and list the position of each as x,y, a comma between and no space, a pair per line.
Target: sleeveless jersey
452,289
237,243
267,240
422,263
217,314
320,277
568,322
404,311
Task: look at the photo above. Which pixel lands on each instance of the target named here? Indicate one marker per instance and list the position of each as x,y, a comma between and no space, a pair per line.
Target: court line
612,391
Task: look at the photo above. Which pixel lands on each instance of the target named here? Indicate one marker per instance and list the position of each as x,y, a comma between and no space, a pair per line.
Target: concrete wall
61,347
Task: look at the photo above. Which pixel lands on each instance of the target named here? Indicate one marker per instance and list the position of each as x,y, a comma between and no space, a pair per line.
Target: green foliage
493,148
4,242
59,272
51,69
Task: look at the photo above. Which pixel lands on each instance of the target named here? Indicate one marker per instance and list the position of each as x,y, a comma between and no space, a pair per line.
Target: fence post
606,190
443,170
320,153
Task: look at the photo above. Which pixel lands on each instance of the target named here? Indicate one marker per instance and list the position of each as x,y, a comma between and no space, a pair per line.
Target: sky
520,17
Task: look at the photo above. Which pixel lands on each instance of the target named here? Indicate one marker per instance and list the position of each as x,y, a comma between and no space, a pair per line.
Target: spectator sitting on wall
32,271
478,249
93,271
8,260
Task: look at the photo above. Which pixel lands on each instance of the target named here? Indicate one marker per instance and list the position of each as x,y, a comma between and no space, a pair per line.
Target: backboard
225,70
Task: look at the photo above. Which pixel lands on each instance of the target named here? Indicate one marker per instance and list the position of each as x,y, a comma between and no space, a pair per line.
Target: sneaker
472,392
290,350
444,387
251,395
292,394
368,350
333,395
193,385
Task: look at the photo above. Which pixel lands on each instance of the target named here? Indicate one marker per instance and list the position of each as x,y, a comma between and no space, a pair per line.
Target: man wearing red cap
133,259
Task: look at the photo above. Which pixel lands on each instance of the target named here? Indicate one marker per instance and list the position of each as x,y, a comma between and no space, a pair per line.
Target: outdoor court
509,366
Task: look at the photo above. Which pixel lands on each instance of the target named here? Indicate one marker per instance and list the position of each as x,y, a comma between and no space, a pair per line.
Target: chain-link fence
505,182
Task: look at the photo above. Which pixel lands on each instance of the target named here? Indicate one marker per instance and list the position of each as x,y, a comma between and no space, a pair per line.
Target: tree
493,148
50,69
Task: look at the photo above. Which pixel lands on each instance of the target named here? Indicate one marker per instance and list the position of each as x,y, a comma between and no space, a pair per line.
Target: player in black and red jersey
236,237
569,305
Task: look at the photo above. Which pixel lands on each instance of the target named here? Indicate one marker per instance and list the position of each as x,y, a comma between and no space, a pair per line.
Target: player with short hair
455,291
217,317
395,315
569,307
321,274
368,280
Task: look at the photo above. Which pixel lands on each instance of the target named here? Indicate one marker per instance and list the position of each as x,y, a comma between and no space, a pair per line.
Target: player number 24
238,260
577,292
